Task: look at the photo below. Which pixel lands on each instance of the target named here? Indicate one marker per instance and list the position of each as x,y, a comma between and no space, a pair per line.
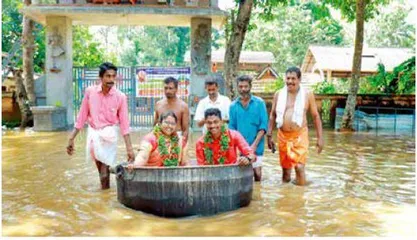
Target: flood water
361,185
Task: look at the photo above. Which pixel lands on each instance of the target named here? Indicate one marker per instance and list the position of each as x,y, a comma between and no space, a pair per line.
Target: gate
143,87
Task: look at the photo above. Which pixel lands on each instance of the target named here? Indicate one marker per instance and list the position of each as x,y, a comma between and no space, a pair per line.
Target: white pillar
329,75
200,54
58,64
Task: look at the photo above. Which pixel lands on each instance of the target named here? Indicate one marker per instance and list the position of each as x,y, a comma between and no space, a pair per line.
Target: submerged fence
381,119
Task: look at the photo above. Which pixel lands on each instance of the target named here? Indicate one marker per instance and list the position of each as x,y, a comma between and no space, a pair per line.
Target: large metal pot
185,191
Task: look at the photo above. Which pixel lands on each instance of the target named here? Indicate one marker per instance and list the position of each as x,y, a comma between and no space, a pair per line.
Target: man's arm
317,121
79,124
199,153
129,148
244,149
185,123
201,122
70,147
258,138
272,117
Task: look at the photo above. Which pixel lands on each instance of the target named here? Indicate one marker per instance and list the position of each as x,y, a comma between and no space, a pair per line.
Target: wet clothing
105,114
249,120
101,110
293,147
103,144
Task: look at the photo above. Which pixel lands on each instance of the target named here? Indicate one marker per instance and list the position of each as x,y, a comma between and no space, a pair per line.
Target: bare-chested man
289,112
173,103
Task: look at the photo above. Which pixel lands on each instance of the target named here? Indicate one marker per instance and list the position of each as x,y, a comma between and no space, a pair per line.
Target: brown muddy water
361,185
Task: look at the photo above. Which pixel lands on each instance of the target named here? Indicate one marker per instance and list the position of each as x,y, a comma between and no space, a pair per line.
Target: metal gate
143,87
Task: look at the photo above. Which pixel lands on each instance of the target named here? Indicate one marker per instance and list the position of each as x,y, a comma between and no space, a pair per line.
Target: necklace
224,146
169,155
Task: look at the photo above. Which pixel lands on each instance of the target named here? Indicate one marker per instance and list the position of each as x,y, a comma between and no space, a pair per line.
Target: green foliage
400,81
183,35
336,86
390,28
318,10
154,46
325,111
328,31
379,83
86,51
348,7
406,73
267,7
58,104
299,28
12,31
324,87
10,124
276,85
11,23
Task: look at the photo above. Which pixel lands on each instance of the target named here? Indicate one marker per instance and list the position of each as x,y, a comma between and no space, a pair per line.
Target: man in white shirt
213,100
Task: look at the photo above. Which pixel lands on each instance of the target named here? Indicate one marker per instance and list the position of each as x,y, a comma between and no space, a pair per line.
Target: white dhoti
103,143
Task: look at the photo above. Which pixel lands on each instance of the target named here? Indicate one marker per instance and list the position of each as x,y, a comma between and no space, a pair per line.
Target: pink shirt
103,110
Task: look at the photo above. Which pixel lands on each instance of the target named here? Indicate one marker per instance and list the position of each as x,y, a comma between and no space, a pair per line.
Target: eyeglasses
169,123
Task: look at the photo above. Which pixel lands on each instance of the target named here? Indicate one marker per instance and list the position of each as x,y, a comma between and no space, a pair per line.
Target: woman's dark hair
171,80
295,70
104,67
212,112
167,114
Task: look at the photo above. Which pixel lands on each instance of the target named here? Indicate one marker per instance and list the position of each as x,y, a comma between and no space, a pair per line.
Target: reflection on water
361,185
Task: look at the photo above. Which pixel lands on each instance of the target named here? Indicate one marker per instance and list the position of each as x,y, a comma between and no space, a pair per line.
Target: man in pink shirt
103,107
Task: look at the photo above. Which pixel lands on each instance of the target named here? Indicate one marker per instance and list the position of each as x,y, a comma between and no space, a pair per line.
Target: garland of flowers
224,146
169,156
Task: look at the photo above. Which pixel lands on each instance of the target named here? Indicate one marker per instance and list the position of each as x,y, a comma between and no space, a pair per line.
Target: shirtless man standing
289,112
173,103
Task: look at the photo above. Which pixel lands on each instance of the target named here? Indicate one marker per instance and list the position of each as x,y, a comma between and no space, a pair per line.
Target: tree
28,43
12,29
238,24
400,81
22,99
361,10
154,46
234,42
300,26
347,123
86,51
390,28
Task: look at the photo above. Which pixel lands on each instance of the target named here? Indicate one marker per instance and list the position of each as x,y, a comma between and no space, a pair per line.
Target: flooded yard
361,185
